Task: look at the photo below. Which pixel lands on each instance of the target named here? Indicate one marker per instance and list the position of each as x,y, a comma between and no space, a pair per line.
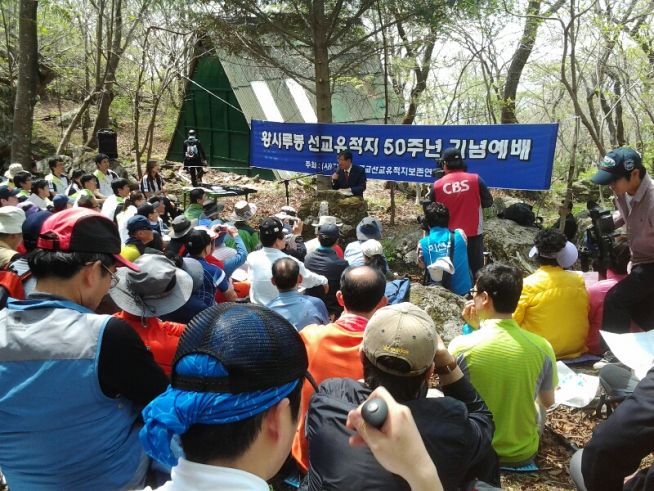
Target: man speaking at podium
349,179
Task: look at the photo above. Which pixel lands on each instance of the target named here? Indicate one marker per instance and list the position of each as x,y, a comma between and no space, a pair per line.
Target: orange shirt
160,337
333,351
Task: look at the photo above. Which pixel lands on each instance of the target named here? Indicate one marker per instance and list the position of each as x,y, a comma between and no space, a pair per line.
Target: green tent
225,92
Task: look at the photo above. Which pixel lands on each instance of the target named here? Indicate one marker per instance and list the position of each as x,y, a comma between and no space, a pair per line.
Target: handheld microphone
374,412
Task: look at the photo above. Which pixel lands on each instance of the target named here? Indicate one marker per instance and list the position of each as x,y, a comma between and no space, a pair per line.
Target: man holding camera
630,299
464,194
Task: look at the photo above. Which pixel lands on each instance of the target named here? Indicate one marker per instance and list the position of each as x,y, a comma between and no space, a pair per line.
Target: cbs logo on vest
456,187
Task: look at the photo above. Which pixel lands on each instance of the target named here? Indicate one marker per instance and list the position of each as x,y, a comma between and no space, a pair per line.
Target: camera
597,252
422,219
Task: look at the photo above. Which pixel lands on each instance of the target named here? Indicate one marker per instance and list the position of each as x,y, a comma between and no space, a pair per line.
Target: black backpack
520,213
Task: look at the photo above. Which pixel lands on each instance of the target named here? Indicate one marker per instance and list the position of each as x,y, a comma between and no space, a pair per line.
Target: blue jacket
437,245
59,430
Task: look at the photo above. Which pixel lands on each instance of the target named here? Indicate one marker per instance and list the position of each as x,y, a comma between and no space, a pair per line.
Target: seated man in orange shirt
157,289
333,349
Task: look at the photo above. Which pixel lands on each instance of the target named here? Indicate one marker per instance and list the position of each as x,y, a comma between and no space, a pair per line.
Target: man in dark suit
348,176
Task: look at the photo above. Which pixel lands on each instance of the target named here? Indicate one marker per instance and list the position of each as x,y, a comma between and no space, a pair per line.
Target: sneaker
607,359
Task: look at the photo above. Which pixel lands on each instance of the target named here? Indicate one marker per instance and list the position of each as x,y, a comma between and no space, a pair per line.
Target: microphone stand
288,181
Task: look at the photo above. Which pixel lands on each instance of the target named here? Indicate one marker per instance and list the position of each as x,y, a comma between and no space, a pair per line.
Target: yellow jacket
554,305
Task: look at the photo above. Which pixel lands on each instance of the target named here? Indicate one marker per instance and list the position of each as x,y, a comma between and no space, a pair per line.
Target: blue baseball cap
136,223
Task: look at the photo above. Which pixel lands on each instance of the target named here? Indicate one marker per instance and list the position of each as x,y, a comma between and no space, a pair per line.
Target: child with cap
554,302
130,208
140,233
11,233
401,350
8,196
233,400
158,288
88,374
61,202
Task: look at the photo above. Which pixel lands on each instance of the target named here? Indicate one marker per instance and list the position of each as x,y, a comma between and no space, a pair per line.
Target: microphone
374,412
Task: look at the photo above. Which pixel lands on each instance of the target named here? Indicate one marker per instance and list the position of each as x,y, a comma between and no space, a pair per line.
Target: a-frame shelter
224,93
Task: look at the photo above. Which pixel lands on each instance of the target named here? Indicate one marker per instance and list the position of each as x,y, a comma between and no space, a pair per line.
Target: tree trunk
26,85
102,118
519,61
74,122
322,71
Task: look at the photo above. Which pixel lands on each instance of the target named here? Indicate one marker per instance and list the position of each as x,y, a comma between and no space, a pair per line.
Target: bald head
285,274
362,288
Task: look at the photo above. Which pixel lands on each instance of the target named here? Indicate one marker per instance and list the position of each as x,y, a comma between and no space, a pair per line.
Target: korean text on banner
516,156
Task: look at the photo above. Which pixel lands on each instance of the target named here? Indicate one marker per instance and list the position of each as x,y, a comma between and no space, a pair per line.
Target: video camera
422,219
598,248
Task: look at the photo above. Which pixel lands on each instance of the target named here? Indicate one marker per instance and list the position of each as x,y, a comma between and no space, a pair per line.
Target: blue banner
511,156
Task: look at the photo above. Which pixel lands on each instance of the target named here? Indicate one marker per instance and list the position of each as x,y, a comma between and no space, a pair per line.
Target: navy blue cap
6,192
617,163
137,222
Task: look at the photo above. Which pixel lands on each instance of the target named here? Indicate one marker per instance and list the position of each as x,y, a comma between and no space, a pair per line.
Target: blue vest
437,245
57,429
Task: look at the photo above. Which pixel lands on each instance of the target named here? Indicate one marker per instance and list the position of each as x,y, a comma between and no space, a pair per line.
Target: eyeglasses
472,292
114,277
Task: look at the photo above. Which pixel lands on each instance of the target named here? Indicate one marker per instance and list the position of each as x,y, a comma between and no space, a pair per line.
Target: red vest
459,191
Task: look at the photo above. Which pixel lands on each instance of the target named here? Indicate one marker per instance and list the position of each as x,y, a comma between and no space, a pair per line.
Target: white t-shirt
260,262
190,476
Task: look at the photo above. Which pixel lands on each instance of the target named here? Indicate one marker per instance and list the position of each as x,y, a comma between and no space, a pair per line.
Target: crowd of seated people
143,347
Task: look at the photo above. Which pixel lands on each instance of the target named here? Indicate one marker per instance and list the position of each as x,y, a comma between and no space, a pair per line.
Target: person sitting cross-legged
401,350
333,349
437,245
233,401
509,366
300,310
554,302
157,289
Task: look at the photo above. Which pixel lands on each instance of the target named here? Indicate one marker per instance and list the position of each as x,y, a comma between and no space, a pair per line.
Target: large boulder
403,251
584,190
443,306
509,242
350,209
